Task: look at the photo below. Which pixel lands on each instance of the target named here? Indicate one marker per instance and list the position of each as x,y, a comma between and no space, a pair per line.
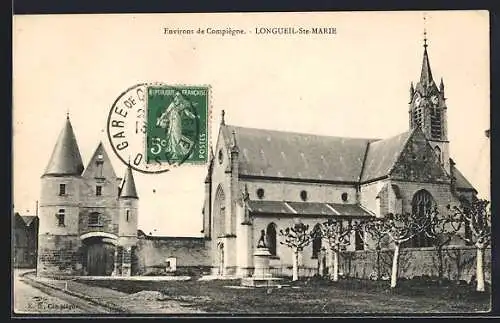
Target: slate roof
128,187
306,208
382,155
460,181
65,158
280,154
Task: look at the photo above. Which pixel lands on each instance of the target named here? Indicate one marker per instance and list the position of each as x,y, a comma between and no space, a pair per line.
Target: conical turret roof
128,187
66,158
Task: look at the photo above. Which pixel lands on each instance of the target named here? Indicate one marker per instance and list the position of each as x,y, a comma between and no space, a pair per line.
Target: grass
317,296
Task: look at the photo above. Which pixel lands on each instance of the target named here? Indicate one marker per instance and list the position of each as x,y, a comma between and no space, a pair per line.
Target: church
88,216
267,180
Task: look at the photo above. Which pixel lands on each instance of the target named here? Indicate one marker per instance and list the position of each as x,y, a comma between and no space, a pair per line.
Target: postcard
251,163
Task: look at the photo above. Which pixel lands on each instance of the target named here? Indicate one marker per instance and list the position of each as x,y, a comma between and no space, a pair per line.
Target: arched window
465,205
437,150
219,212
422,205
271,238
359,243
316,243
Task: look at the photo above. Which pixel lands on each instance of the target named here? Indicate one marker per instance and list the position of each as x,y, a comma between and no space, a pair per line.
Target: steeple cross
425,30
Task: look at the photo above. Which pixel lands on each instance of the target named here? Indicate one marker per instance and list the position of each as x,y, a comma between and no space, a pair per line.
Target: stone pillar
243,243
127,255
261,263
321,257
115,267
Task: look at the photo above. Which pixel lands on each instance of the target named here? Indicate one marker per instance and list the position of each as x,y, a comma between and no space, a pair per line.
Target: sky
354,83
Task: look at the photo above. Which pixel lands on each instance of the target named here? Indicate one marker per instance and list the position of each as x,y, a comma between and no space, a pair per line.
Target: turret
59,205
128,206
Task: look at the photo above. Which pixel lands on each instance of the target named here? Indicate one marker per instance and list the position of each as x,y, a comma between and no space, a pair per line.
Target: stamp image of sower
156,127
177,124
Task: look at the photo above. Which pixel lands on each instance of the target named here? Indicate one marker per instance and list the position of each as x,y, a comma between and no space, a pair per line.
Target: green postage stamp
177,124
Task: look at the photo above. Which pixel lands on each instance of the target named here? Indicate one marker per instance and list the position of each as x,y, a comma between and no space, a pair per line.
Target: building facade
25,240
88,216
268,180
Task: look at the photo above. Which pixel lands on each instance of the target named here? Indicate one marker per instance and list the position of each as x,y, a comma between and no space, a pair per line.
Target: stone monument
262,276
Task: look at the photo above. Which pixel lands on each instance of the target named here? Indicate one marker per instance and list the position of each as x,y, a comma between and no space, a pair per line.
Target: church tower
427,110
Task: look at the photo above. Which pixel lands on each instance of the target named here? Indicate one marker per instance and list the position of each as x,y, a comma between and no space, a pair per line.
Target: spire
441,87
426,74
65,158
222,121
412,91
128,187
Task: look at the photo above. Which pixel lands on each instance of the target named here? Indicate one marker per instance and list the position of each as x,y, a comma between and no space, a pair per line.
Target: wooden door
100,259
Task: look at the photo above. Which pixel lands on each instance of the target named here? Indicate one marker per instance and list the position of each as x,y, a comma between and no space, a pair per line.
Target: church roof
128,187
65,158
460,181
271,153
281,154
307,208
382,155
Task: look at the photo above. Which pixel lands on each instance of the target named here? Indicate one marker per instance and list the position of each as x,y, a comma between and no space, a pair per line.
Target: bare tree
476,218
296,237
440,230
338,236
375,229
401,228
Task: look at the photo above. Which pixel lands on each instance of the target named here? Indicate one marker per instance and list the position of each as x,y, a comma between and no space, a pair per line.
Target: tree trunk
378,264
439,251
395,266
480,268
295,270
335,265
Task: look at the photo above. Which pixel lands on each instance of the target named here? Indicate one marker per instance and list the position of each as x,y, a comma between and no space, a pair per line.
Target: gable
418,162
93,169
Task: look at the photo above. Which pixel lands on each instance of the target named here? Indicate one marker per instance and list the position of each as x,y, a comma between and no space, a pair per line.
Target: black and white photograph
245,163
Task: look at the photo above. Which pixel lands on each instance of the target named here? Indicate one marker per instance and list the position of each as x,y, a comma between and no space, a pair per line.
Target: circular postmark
155,127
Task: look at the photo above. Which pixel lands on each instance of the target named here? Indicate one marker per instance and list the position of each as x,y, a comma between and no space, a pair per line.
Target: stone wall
459,263
192,254
59,255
